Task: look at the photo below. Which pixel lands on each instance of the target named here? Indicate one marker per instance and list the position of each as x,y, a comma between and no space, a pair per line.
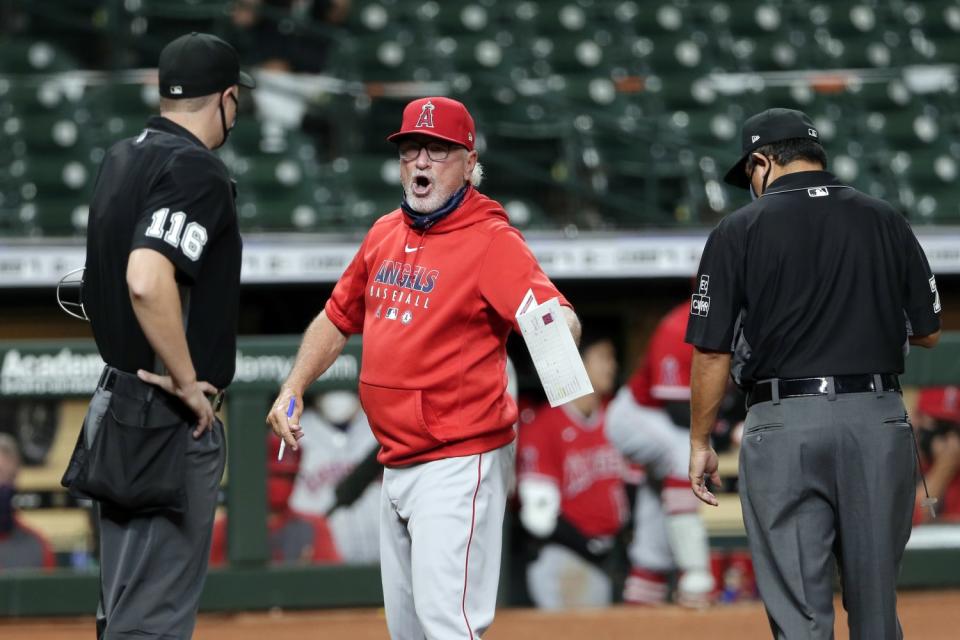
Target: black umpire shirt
164,190
814,278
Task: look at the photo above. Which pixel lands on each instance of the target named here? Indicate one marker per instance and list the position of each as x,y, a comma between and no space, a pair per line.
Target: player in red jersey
647,422
295,538
937,422
572,496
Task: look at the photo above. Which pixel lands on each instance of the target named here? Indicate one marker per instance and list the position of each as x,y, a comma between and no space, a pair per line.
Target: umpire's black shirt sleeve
718,290
185,209
920,295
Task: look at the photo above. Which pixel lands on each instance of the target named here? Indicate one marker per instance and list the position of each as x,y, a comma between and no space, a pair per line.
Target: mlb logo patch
176,90
818,192
392,313
813,133
754,139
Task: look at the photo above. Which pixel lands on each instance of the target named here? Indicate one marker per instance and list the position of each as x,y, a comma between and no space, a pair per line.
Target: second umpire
816,289
161,288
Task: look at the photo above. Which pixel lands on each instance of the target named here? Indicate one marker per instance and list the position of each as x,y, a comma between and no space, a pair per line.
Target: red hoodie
435,308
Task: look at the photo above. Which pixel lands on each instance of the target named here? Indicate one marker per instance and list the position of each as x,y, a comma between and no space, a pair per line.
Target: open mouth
421,186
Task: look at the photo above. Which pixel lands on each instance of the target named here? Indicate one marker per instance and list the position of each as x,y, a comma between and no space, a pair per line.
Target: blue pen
283,443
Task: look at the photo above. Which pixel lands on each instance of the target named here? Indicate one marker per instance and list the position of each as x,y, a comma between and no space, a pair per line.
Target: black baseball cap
199,64
765,127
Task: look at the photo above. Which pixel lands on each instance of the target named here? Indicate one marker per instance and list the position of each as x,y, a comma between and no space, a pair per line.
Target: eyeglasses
436,151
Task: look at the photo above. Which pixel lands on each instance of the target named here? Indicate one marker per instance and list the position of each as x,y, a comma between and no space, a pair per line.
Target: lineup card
553,350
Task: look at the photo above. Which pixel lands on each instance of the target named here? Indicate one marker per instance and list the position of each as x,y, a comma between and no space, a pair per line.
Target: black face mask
223,120
6,508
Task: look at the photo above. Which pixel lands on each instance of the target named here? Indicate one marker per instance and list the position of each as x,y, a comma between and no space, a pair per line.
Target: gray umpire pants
827,480
152,567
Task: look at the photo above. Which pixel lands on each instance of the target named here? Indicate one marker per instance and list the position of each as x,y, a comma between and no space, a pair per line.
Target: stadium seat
563,17
296,210
393,56
905,129
372,17
451,19
38,56
150,24
53,216
124,99
263,173
855,52
578,53
796,94
53,133
886,95
931,168
773,52
667,54
488,53
682,91
711,128
33,96
933,17
362,210
934,205
524,213
375,174
749,18
114,128
843,19
605,99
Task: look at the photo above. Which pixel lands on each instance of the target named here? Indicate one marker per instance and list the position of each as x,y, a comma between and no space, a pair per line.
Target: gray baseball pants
441,529
828,480
152,567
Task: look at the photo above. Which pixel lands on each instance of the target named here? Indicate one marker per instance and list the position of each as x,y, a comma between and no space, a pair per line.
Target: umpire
161,289
816,289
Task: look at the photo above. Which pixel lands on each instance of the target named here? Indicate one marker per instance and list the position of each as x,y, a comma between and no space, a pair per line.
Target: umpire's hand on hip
703,463
284,419
193,394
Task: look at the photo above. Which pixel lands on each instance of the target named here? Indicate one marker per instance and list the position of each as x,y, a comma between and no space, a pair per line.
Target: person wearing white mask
338,439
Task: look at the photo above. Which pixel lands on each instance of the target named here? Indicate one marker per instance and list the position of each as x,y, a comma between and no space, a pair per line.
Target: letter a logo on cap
426,116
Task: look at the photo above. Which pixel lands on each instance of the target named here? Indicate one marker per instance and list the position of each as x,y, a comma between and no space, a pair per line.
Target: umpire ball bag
136,460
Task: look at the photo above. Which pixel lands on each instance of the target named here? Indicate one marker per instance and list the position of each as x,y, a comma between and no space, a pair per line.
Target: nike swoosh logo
407,249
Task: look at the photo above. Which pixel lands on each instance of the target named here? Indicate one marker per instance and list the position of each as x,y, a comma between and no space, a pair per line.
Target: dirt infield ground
925,616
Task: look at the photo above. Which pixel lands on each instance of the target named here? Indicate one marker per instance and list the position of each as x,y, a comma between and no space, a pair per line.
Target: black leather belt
128,384
800,387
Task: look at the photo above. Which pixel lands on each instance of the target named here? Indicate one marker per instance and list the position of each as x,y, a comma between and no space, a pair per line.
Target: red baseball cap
438,117
942,403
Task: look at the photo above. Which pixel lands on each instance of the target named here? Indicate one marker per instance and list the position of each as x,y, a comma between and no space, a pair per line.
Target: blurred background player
337,441
572,496
648,422
937,423
294,538
20,546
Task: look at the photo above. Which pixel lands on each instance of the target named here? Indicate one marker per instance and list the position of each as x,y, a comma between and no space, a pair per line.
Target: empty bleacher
601,114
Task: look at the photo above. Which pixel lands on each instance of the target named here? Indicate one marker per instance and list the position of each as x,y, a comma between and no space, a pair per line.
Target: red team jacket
435,308
663,374
562,446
